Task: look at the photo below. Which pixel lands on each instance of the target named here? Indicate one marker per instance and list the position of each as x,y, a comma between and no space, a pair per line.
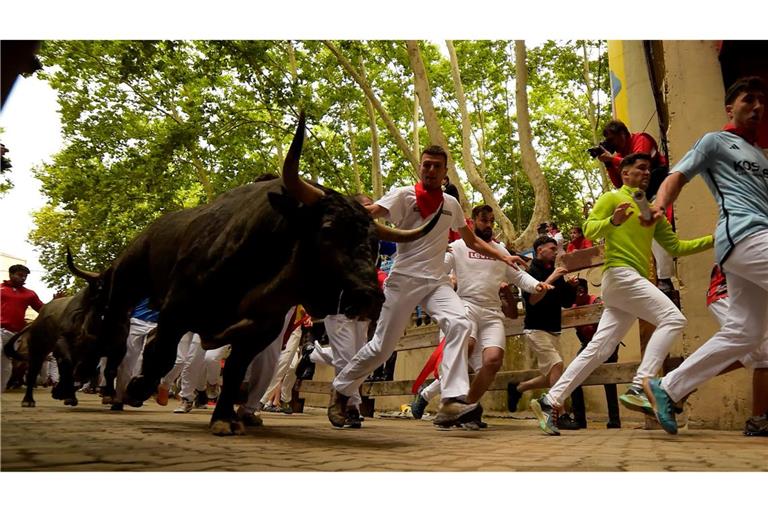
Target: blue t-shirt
143,312
736,173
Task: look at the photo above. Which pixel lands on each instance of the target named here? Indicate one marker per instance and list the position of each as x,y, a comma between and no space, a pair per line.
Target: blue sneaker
546,415
662,403
418,406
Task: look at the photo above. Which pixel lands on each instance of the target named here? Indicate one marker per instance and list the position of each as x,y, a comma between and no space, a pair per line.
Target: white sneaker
185,407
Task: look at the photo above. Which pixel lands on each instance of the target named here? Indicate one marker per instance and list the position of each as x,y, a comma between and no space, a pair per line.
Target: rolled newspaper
642,204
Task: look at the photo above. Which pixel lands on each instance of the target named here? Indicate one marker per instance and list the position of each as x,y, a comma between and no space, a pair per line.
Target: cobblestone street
52,437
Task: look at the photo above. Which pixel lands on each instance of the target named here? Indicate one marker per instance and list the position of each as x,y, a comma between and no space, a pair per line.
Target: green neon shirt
629,245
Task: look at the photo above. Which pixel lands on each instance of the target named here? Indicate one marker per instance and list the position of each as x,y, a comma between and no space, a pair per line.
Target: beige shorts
546,346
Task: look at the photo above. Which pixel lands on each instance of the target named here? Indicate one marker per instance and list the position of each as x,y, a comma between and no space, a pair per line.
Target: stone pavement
89,437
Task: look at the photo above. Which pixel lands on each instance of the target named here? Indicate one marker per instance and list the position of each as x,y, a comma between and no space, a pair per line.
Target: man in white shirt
479,278
418,277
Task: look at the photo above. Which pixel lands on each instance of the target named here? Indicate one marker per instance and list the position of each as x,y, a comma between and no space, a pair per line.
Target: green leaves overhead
155,126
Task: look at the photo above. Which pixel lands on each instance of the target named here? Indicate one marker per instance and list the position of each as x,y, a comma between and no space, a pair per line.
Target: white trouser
50,369
665,264
627,296
213,364
487,330
431,390
190,362
402,294
7,364
755,359
260,371
283,364
321,354
130,365
346,337
746,270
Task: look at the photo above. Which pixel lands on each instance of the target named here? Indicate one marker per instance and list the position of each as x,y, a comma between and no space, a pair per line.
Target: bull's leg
115,356
224,421
33,370
158,358
65,389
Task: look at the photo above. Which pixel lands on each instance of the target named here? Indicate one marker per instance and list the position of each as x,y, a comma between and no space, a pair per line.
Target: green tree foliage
155,126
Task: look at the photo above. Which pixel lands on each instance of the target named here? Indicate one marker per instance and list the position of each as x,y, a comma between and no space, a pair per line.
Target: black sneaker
201,400
513,396
613,424
353,419
756,426
565,422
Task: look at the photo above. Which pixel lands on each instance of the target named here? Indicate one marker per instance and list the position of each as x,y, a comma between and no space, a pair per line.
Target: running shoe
662,404
546,415
418,406
636,400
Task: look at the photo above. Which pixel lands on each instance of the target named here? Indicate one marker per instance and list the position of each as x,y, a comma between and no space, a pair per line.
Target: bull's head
338,244
92,303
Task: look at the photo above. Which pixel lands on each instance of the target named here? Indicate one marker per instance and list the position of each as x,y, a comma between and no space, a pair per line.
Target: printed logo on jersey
445,212
733,146
744,167
477,256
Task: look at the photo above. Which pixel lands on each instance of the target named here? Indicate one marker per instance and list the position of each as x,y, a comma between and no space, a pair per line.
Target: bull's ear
284,204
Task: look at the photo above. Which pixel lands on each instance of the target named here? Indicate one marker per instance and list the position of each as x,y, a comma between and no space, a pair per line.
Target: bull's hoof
139,389
238,428
221,428
27,403
70,401
57,393
132,402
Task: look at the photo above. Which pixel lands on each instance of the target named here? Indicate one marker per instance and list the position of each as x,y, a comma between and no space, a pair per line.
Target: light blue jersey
736,173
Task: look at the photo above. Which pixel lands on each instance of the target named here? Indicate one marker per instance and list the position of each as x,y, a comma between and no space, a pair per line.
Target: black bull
59,329
231,269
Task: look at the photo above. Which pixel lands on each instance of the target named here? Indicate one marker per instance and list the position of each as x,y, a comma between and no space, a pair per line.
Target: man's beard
485,234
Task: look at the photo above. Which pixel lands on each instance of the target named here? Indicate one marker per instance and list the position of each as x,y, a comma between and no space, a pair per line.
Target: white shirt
424,257
479,276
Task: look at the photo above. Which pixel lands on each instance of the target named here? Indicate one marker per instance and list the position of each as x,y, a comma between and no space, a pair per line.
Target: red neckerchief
730,127
428,201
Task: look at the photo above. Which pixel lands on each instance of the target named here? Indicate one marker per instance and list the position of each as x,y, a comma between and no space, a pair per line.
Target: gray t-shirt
736,173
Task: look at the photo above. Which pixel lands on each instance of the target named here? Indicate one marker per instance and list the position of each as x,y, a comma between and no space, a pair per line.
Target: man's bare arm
377,211
668,193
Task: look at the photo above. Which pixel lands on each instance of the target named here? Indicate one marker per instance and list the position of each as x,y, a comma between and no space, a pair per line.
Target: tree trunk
365,86
376,184
355,168
475,179
415,124
591,112
541,205
436,134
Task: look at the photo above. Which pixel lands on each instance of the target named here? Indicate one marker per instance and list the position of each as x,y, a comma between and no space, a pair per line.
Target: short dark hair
437,151
553,225
632,158
18,268
477,210
543,240
542,228
578,228
615,126
583,283
746,84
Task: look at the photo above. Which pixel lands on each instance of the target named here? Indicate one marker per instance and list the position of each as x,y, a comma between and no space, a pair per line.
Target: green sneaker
663,405
636,400
546,415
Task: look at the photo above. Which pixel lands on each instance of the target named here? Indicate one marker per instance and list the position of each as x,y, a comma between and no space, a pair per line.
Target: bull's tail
9,349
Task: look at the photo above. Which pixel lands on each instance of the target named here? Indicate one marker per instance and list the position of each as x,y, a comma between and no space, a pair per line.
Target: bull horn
298,188
88,276
407,235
